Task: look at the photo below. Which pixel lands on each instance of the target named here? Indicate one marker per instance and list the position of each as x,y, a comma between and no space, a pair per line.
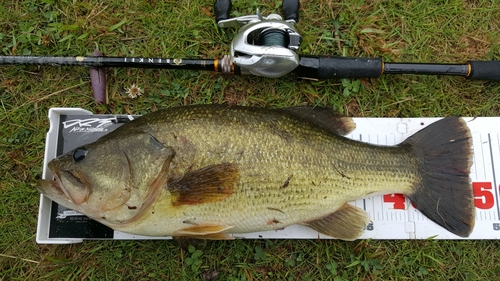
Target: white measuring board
393,216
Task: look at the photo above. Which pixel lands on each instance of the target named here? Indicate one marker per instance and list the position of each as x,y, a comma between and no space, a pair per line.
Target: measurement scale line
494,176
364,200
482,156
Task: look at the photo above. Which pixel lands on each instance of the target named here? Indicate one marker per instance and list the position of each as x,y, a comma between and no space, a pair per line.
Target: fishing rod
309,67
268,46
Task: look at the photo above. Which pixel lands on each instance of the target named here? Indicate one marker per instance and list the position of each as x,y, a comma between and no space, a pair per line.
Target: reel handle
291,10
222,8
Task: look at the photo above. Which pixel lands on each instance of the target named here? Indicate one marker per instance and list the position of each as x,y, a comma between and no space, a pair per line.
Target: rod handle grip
291,10
485,70
222,8
324,67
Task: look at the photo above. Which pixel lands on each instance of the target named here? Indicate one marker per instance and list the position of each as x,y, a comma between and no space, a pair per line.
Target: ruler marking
364,200
494,176
382,212
482,156
476,155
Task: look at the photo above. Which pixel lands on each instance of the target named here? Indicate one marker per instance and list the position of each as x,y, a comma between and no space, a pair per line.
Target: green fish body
211,171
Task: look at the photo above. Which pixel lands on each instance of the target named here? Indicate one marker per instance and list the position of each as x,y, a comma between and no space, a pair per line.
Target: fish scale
262,178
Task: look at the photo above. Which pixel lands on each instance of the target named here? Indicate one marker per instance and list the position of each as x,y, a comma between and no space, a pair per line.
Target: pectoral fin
347,223
205,231
209,184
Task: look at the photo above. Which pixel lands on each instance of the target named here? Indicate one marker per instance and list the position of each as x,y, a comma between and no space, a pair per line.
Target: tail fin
444,193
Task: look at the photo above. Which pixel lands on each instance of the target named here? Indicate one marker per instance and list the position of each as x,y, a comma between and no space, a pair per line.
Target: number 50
483,195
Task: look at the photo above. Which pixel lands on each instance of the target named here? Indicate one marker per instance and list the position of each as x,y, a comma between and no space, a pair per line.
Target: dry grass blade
23,259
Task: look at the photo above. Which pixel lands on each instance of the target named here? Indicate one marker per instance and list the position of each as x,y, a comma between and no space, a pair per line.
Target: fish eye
79,154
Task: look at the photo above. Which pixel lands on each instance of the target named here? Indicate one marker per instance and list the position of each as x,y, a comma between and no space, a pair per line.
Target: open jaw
49,187
57,191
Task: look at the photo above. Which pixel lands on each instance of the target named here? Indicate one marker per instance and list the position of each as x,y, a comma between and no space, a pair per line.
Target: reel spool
264,46
273,37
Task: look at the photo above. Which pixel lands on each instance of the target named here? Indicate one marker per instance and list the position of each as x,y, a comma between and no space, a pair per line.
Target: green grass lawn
452,31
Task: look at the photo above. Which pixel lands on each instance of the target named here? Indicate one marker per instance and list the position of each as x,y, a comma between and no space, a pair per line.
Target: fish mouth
79,192
49,187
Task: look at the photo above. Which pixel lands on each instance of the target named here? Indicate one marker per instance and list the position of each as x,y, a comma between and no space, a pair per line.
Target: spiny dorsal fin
325,117
209,184
347,223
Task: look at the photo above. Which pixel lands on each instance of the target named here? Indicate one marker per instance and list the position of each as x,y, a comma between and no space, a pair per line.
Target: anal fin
212,236
347,223
205,231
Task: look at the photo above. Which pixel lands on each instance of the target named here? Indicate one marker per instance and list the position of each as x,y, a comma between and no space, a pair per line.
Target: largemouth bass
211,171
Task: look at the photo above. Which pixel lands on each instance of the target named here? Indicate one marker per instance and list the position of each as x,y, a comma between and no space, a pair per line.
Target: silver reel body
264,46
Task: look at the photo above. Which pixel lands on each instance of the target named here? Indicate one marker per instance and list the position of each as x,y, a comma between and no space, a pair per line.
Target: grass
451,31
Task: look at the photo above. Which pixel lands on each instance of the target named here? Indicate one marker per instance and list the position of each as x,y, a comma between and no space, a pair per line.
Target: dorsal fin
325,117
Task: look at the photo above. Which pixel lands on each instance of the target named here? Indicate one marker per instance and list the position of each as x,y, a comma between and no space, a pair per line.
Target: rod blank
101,61
310,67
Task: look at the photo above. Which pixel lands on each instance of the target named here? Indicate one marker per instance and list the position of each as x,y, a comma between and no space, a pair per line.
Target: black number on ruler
369,227
496,226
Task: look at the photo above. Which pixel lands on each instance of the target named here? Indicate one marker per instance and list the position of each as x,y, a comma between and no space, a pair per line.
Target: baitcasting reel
264,46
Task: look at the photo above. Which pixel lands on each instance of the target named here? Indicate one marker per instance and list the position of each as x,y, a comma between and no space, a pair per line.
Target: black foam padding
485,70
322,67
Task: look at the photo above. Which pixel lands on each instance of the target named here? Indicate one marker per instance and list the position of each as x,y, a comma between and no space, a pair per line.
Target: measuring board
393,216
